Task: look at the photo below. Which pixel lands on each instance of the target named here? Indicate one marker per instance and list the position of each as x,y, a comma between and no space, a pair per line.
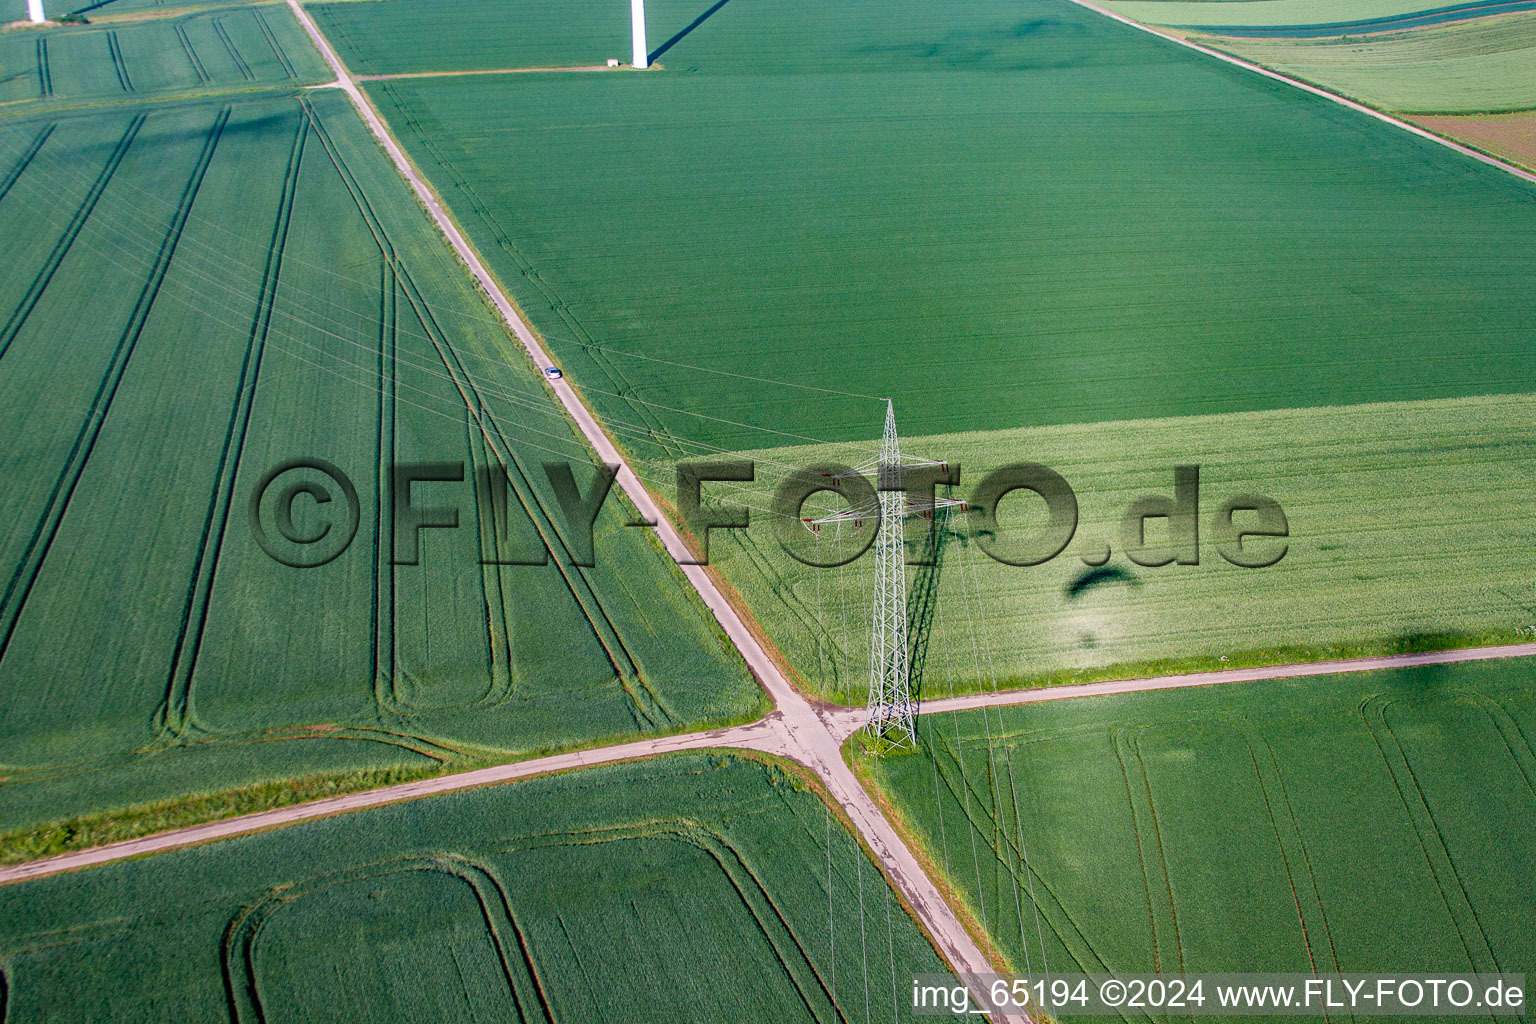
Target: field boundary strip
760,735
1432,18
480,71
1227,58
846,721
796,730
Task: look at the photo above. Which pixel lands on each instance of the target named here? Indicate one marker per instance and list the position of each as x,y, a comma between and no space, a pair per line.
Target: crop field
1480,66
1407,528
687,888
1511,136
1334,824
109,10
1386,23
1012,211
1290,15
393,37
199,293
226,49
376,37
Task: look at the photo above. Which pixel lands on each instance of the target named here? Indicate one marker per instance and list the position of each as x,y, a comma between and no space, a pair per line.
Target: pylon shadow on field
655,54
923,600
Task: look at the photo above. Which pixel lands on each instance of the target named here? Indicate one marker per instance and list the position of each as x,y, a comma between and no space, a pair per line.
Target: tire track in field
175,717
1301,842
648,707
1284,830
22,163
1069,933
30,565
775,929
234,54
1141,857
1250,734
192,58
1431,838
118,64
238,946
770,920
44,276
805,734
386,694
492,582
1127,750
277,51
44,75
383,549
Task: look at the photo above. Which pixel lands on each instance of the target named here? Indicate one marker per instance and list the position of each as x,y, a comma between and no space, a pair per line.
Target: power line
464,314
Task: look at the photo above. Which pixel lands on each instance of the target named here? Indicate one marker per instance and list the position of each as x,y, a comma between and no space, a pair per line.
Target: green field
1043,218
1265,13
688,888
1480,66
1510,136
96,11
200,292
378,37
1343,823
1408,529
228,49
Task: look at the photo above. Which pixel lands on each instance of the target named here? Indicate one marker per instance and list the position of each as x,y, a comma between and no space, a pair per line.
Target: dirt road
796,730
803,735
1361,108
846,721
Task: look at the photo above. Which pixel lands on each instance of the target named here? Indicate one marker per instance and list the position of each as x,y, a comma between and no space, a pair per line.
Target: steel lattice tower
891,709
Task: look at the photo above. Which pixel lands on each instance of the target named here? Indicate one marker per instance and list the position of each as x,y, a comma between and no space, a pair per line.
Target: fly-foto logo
305,513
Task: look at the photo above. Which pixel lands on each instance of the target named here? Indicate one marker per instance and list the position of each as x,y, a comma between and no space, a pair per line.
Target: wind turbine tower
640,58
35,11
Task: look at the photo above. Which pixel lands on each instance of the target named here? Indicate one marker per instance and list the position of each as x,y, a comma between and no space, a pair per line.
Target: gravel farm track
798,730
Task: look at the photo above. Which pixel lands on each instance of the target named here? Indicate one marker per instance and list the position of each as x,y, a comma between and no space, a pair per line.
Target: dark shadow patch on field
923,601
990,47
1086,581
1426,679
90,7
655,54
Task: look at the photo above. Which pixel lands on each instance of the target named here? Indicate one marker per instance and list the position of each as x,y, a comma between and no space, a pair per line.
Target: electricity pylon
891,714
